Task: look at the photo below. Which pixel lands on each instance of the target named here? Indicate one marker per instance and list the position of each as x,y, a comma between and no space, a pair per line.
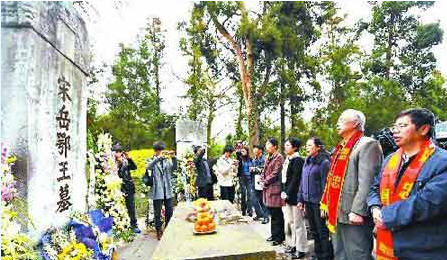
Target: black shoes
270,239
265,221
290,250
298,255
276,243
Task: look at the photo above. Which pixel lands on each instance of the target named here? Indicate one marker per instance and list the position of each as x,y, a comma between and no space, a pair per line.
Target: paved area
145,243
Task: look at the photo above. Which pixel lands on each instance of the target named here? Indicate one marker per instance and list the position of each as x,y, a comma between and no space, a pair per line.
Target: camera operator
204,181
125,165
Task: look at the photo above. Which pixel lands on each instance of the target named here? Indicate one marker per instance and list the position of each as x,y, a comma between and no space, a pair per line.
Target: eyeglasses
398,126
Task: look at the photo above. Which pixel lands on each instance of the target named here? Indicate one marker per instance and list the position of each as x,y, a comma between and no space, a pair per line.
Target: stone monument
44,64
187,134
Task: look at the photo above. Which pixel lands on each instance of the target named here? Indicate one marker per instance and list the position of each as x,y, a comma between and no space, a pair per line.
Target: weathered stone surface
41,42
187,134
232,241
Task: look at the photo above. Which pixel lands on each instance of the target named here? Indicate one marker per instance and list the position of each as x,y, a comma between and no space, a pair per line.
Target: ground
145,243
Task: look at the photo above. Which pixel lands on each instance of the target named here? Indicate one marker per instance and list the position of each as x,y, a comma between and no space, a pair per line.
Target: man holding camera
125,165
204,181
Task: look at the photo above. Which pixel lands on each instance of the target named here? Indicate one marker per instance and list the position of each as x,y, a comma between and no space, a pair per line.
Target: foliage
215,150
140,157
15,244
134,96
105,187
185,186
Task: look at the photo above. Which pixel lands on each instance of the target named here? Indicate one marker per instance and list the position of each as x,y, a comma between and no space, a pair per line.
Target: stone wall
44,46
187,134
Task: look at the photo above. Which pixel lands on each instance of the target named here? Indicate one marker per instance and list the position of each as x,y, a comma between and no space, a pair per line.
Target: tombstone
187,134
44,50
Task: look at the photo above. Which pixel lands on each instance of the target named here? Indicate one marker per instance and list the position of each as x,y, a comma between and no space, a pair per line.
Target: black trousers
130,205
157,212
227,193
206,192
318,228
277,224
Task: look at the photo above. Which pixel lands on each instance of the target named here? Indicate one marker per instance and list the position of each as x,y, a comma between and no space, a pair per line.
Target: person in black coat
294,228
204,181
125,165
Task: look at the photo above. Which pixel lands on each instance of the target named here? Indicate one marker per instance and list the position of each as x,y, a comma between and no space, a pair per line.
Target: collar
293,156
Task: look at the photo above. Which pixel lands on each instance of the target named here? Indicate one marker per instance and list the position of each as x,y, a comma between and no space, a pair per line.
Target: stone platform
232,241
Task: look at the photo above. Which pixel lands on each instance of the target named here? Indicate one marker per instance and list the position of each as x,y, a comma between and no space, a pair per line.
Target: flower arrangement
186,181
85,237
105,188
15,245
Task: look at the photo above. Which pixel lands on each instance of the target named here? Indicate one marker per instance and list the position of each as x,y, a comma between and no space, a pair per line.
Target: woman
295,230
161,169
272,191
226,170
313,181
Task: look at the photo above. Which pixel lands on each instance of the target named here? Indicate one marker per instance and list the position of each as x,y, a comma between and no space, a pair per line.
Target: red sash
389,194
335,179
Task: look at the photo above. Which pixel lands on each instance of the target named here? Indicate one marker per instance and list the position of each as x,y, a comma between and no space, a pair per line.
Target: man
408,200
258,167
161,167
125,165
203,181
355,162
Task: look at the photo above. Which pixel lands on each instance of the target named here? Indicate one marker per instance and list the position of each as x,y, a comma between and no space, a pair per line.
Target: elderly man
409,198
355,162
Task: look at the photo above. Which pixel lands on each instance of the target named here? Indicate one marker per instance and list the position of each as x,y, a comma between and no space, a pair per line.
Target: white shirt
225,171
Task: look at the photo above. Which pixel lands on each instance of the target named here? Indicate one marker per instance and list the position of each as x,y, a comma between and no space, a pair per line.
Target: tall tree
208,88
403,53
256,38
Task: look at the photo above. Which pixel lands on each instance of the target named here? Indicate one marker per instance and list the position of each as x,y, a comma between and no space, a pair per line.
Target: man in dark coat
408,200
204,181
125,165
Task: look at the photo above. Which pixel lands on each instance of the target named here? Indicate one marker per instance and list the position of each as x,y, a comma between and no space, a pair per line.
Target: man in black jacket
203,181
125,165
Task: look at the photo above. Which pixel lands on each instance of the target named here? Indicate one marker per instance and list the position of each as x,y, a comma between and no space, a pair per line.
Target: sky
121,21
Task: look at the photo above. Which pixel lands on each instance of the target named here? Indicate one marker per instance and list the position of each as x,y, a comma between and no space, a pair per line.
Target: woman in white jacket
226,170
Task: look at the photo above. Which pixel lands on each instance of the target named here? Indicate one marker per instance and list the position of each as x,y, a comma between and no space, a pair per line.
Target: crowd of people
350,196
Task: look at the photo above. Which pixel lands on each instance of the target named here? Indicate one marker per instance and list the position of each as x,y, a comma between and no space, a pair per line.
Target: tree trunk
245,71
209,123
283,118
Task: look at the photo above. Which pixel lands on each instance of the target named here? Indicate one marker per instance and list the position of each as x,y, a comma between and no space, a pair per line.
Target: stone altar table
232,241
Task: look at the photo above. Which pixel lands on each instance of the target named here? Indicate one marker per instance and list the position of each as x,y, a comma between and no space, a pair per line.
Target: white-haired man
355,162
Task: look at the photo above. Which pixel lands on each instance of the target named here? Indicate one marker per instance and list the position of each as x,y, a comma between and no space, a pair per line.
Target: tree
403,56
134,95
256,39
207,90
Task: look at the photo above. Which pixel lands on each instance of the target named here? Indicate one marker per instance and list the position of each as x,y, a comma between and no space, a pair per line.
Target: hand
355,219
126,155
377,218
283,195
252,169
376,214
300,206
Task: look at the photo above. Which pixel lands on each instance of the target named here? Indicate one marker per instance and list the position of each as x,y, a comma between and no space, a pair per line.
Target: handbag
148,179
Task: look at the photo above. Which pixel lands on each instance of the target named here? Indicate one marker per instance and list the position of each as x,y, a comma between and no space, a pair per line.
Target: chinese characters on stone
63,145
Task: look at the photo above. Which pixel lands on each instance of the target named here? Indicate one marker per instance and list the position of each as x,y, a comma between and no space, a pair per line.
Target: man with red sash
355,162
408,200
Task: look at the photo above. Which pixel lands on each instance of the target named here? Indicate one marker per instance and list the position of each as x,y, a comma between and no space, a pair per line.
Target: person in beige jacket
226,170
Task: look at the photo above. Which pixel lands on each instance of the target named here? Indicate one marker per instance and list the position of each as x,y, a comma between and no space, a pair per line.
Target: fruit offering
205,217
